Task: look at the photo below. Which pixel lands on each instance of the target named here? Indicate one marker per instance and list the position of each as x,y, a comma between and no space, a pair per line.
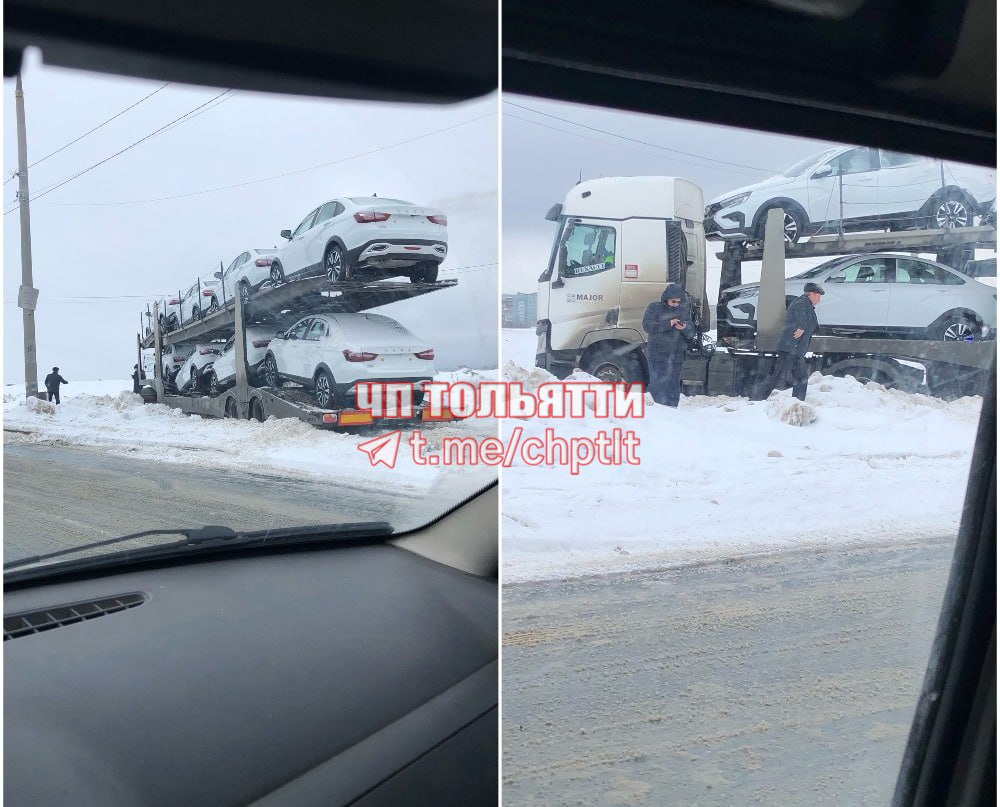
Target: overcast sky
141,224
548,146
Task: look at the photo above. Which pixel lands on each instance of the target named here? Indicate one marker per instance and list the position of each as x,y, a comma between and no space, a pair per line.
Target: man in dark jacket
665,323
793,344
52,382
136,379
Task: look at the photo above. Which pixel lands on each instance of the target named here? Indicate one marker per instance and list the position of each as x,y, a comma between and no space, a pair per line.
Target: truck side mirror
286,234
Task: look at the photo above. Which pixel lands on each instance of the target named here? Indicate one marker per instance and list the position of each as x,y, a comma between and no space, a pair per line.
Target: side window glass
894,159
317,330
915,272
326,212
867,271
299,331
307,222
855,161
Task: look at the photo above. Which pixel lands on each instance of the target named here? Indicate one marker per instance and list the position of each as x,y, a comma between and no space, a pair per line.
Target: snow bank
726,476
103,414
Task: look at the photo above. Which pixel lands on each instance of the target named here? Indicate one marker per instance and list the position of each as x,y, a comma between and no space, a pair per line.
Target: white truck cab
620,240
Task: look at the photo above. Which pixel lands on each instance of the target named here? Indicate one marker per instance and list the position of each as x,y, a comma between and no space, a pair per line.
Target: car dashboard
344,675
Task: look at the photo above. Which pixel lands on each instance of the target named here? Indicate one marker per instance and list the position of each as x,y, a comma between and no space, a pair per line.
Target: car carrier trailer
622,239
279,308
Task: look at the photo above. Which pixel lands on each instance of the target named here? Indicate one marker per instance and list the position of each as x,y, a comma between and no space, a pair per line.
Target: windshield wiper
218,536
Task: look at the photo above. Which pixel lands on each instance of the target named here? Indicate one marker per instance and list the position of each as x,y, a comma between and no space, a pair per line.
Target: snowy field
723,477
108,415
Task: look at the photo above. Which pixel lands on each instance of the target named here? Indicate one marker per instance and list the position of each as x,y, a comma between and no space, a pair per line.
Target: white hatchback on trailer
381,237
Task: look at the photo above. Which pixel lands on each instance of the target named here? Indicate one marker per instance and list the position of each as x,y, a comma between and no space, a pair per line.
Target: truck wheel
271,371
231,411
324,390
337,266
256,411
426,272
612,365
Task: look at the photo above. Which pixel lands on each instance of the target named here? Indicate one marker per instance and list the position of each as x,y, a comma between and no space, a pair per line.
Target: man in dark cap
665,323
136,379
52,382
793,344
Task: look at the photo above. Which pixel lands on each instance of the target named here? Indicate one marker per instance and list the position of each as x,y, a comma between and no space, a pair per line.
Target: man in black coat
793,344
665,323
136,379
52,382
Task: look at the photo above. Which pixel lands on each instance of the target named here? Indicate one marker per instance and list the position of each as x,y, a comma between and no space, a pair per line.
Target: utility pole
27,295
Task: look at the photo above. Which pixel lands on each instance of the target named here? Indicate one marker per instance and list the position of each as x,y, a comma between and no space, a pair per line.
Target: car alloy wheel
213,385
271,371
960,331
324,390
336,265
213,306
245,292
952,213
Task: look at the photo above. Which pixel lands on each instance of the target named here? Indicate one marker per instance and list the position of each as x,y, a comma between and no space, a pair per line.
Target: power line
122,151
508,116
278,176
640,142
104,123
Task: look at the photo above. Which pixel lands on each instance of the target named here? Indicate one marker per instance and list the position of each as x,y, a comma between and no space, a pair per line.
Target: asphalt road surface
56,497
782,681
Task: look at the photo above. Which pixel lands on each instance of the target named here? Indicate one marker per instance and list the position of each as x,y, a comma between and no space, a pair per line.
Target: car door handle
878,291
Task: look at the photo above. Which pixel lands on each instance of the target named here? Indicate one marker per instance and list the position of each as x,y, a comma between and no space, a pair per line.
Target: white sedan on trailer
193,373
245,274
331,353
223,372
377,237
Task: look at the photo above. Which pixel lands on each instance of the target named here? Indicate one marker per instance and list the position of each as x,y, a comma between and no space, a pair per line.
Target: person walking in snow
52,382
793,344
665,323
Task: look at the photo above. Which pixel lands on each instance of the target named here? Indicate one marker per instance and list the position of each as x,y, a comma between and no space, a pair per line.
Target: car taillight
425,354
207,292
174,302
350,355
261,342
442,220
263,261
368,217
179,359
207,351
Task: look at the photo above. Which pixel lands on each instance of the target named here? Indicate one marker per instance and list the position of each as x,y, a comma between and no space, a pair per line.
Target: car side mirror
218,275
286,234
825,171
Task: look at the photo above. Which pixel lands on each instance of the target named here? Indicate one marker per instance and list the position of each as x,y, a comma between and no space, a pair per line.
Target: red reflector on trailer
329,418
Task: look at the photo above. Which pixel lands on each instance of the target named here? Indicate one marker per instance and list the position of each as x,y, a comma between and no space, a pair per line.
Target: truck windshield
586,249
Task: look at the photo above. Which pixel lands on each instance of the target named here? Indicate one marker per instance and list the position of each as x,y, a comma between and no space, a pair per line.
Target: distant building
520,310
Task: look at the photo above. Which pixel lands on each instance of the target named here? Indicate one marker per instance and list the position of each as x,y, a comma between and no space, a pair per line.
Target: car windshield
329,427
741,609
